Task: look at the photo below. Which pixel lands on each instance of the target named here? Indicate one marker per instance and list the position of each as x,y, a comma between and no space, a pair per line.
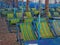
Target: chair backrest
52,9
49,14
33,9
56,26
58,9
36,12
4,12
14,21
10,15
27,32
45,31
56,14
28,14
28,20
19,14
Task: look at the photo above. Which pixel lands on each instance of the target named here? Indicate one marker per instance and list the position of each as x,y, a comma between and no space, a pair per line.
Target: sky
43,1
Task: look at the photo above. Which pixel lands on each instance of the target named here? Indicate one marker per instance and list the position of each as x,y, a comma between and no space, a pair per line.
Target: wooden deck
6,38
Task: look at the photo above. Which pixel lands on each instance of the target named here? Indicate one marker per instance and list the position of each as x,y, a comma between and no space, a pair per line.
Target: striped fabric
26,31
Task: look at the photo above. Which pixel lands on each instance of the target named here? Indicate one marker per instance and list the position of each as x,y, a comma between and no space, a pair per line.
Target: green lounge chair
27,32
